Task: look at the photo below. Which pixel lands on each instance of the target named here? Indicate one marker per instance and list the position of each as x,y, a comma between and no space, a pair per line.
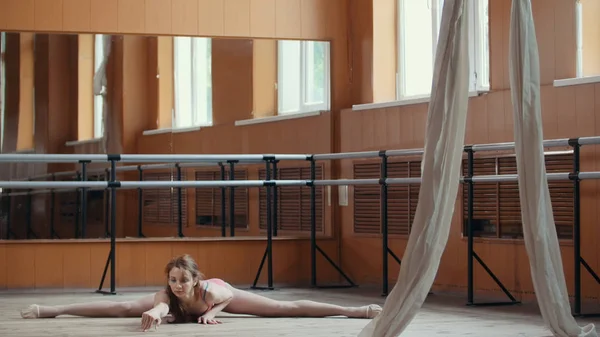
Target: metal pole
179,204
275,197
384,219
269,228
470,195
223,208
8,214
140,203
28,215
313,223
77,207
107,207
83,200
232,198
113,224
52,208
576,227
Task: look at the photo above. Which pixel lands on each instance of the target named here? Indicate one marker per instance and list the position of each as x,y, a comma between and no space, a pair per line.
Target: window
193,82
419,27
2,87
588,37
99,54
303,76
579,32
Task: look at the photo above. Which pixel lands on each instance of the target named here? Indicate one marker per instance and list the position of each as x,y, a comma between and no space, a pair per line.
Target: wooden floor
441,316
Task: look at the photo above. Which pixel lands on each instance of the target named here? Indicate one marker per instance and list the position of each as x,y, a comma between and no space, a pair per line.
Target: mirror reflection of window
303,76
193,82
99,54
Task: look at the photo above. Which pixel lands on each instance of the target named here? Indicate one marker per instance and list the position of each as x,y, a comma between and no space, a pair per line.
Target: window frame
579,39
304,107
479,62
194,115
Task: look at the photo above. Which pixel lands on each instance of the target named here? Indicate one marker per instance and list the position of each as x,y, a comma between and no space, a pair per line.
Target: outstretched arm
160,310
161,303
217,297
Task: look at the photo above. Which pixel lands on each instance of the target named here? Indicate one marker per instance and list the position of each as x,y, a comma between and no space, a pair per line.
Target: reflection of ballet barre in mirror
173,161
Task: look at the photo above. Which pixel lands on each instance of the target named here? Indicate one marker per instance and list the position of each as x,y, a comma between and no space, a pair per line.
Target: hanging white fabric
100,89
539,229
444,142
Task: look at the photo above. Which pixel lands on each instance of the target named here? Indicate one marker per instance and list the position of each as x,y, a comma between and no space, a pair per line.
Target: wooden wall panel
77,15
184,17
85,86
567,112
262,18
232,64
309,19
18,15
135,117
236,17
158,16
288,136
48,15
26,126
210,17
264,92
288,20
104,16
140,263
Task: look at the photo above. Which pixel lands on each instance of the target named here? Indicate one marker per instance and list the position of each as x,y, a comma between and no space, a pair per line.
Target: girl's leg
252,304
93,309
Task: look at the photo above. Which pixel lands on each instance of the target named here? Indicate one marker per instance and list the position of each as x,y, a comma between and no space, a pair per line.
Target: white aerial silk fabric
444,142
539,229
100,82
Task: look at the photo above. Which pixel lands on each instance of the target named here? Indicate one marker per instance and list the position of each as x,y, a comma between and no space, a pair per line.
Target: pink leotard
212,280
217,281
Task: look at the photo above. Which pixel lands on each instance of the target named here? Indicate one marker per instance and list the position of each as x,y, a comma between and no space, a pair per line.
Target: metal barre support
268,255
223,209
470,179
179,204
112,185
314,247
83,200
384,221
576,232
258,183
145,158
312,182
140,203
232,198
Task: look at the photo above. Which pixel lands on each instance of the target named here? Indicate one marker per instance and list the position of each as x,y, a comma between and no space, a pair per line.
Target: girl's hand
149,318
208,319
